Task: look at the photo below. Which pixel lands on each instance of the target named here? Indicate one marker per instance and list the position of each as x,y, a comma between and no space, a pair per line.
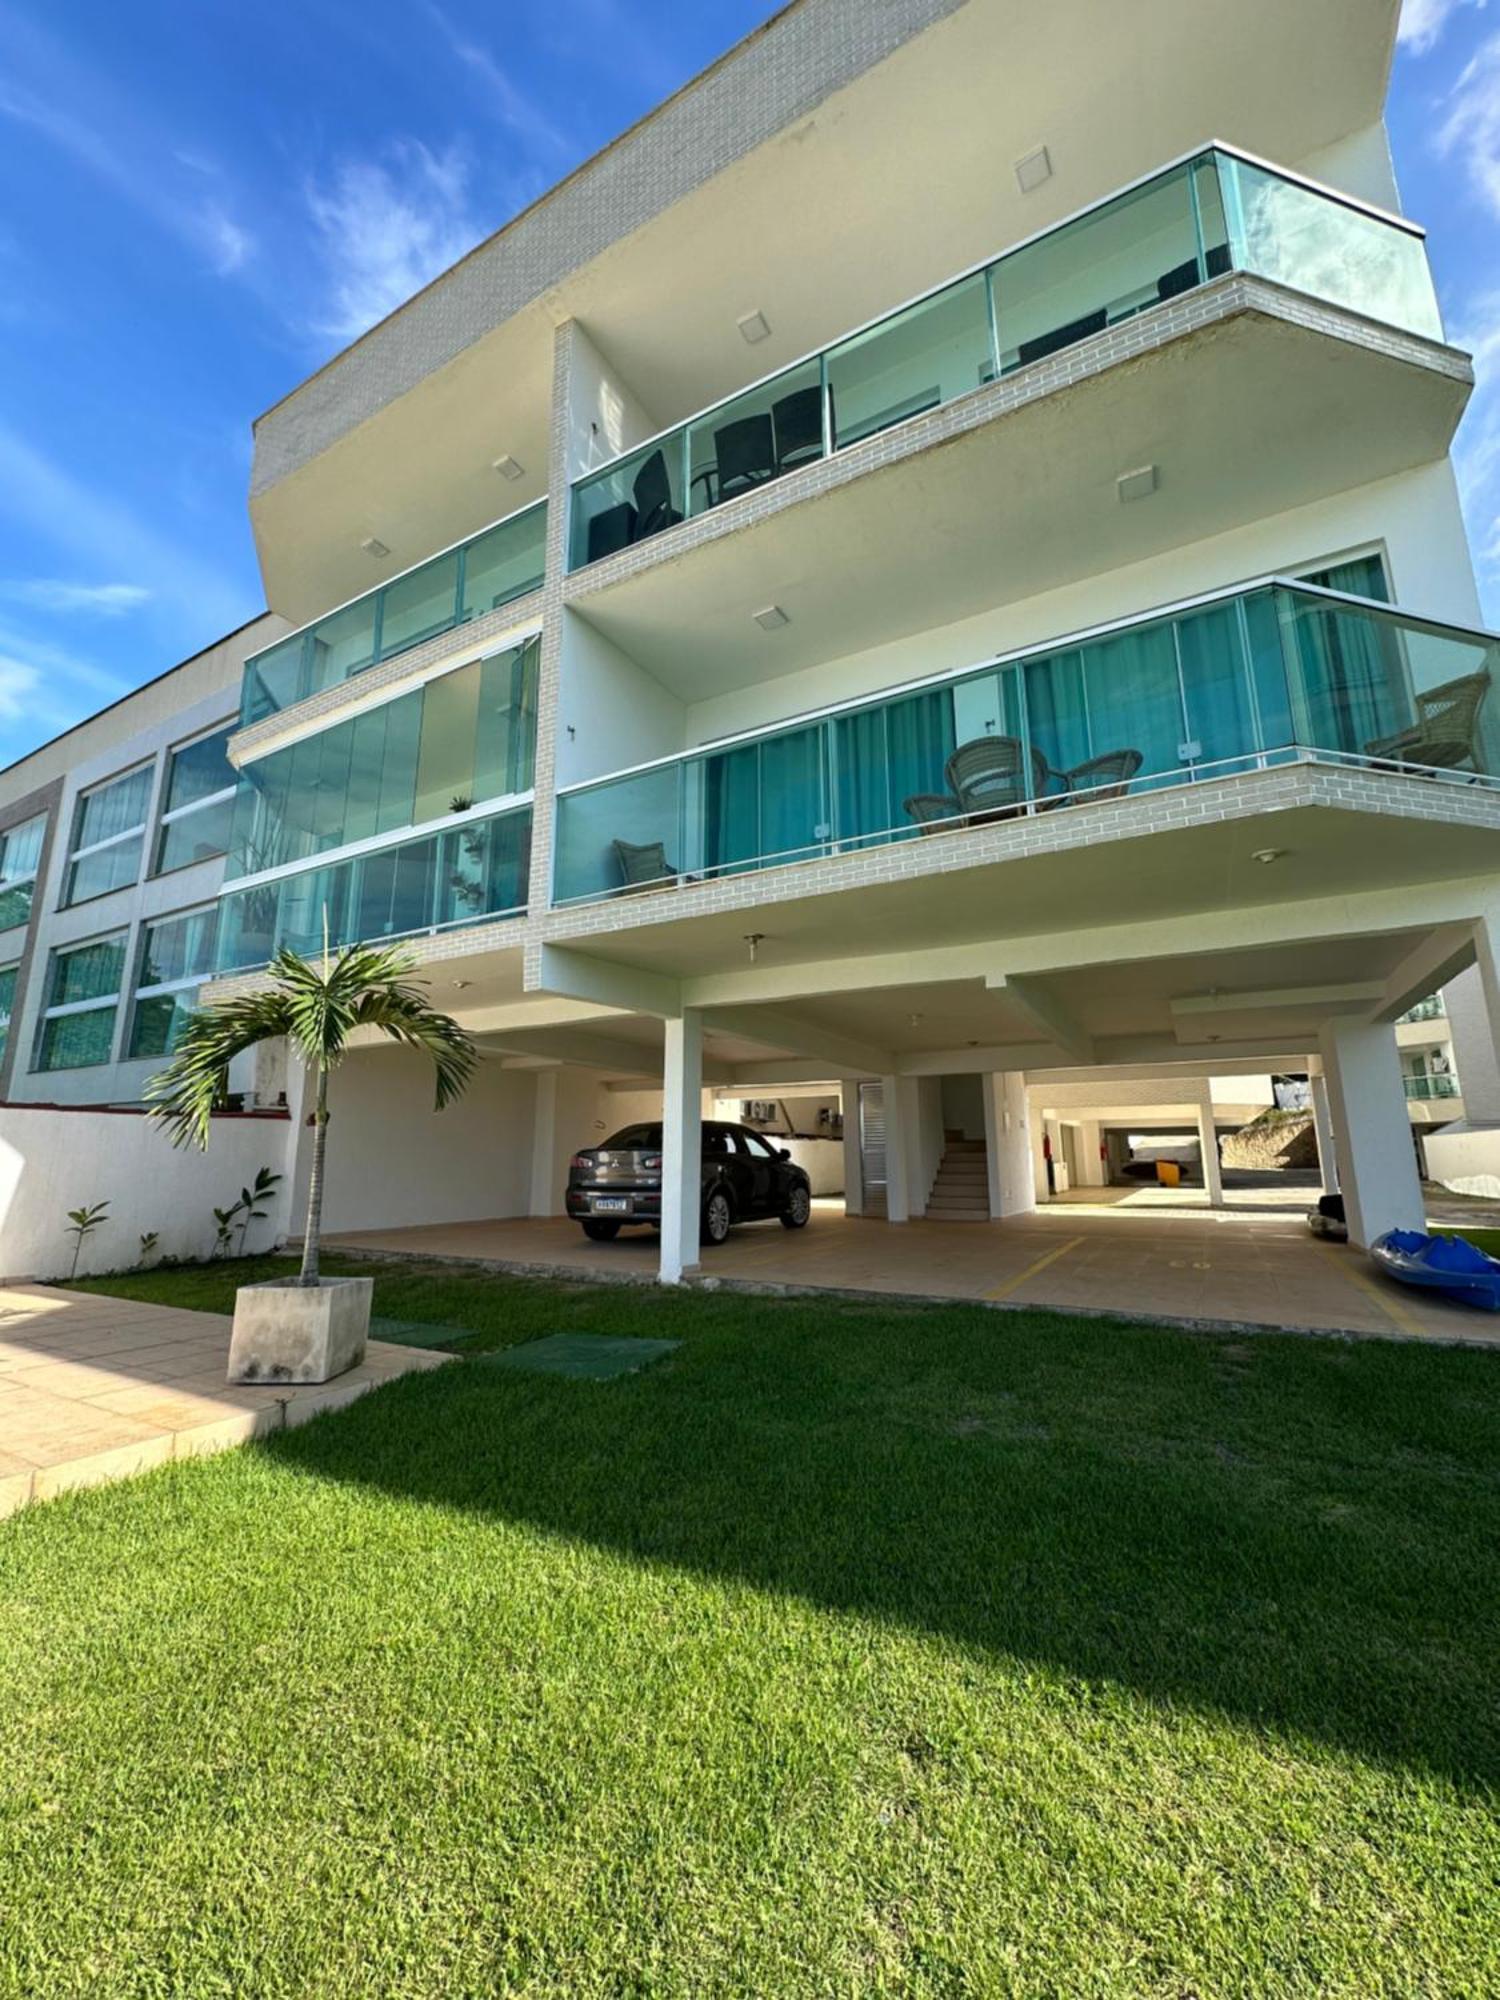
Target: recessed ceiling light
754,326
1266,855
373,546
771,618
460,985
1033,169
1137,485
506,466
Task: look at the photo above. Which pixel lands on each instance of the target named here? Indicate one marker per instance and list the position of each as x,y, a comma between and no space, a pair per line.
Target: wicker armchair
1106,776
989,776
643,867
1442,737
934,812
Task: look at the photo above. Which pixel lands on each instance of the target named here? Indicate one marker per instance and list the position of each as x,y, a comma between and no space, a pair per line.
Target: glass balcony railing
1430,1009
489,570
1426,1089
1270,674
469,873
1193,222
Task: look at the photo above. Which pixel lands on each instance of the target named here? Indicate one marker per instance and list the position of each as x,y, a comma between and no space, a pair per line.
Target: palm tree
316,1010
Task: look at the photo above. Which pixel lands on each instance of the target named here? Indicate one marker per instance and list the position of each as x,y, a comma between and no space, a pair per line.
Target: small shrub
82,1222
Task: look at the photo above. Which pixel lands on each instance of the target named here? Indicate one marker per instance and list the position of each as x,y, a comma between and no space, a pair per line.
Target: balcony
1430,1009
473,871
1248,679
1195,221
477,576
1427,1089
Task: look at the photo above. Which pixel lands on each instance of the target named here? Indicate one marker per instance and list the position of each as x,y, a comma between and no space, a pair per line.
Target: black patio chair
797,421
654,505
745,454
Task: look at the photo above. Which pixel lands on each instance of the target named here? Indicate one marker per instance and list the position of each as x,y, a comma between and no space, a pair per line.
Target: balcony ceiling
881,190
1243,419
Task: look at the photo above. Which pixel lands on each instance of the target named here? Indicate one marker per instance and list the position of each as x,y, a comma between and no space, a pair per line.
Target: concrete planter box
294,1333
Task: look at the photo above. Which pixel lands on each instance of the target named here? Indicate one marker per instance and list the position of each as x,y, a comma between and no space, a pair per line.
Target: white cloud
1423,21
18,686
1470,127
515,107
387,229
105,600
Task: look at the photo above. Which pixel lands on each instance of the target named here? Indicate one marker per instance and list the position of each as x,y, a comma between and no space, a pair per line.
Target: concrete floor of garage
1254,1265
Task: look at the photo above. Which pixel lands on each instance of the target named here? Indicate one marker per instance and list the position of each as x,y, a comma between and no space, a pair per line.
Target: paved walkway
96,1388
1191,1263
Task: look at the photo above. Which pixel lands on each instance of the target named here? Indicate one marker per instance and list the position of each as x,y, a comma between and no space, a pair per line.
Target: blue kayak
1443,1264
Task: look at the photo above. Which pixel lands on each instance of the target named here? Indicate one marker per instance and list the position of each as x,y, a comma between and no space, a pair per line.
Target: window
7,1003
177,955
1361,576
462,739
758,1147
20,857
198,804
109,830
77,1028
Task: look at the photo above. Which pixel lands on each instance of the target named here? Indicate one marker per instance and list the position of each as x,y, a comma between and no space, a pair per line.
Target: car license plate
610,1204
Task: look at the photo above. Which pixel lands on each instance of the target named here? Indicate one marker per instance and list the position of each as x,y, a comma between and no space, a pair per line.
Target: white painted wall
1465,1158
605,417
1008,1132
1475,1054
1360,164
52,1161
618,715
393,1160
1415,516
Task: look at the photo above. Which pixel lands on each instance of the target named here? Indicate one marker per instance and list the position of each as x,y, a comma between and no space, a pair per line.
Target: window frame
170,816
54,1011
10,970
194,981
77,853
32,874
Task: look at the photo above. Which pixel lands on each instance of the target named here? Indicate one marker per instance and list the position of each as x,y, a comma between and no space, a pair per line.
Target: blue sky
203,201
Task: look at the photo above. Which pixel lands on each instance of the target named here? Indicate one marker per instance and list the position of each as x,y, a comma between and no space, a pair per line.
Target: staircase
961,1192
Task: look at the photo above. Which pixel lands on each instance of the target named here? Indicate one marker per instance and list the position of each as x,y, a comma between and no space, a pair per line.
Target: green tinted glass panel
89,972
77,1041
1236,685
114,808
1316,243
466,874
158,1021
106,869
197,836
7,1002
21,848
461,739
925,356
178,948
15,904
198,770
466,582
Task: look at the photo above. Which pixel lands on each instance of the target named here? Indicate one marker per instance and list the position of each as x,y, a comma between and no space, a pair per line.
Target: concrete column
1328,1161
1036,1130
1007,1133
1378,1162
1473,1003
1090,1161
1208,1145
897,1150
854,1166
682,1145
544,1196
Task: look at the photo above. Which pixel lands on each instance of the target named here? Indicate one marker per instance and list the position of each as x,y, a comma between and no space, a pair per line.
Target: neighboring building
112,845
895,583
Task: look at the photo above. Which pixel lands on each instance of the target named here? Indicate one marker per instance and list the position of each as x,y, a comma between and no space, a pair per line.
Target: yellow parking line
1391,1307
1014,1284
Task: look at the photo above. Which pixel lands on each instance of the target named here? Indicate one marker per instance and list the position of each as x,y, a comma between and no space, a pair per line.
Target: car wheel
798,1209
716,1218
601,1232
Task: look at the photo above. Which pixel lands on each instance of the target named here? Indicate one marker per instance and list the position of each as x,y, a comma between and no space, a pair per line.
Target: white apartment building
928,578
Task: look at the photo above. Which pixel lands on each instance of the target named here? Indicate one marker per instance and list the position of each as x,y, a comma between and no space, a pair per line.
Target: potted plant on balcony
308,1328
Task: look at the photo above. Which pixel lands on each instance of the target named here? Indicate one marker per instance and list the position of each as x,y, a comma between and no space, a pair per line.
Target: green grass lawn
853,1649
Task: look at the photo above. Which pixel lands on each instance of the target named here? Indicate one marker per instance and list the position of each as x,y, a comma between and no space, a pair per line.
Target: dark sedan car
745,1179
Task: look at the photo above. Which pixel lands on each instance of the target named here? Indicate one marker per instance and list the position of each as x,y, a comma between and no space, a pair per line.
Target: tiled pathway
95,1388
1205,1266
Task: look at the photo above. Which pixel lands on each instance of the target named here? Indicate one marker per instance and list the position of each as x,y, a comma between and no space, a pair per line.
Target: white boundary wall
53,1159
